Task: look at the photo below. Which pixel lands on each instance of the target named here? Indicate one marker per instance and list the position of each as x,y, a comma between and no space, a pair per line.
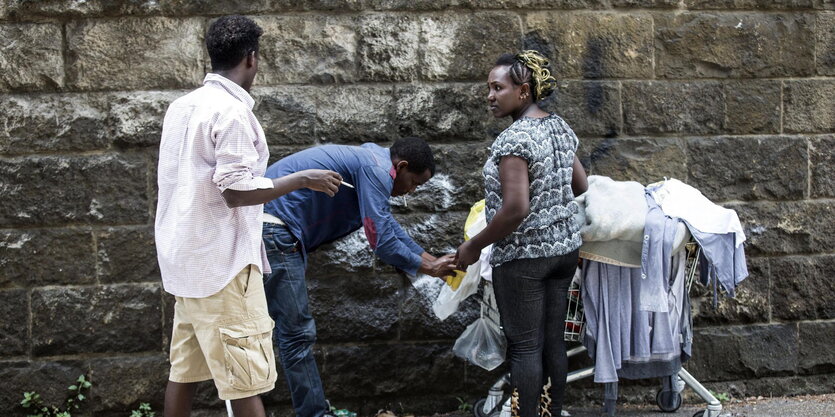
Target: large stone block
324,5
594,45
673,107
121,383
465,46
287,114
754,4
784,228
665,4
154,52
442,111
733,352
14,329
751,304
70,320
31,57
717,45
389,47
50,379
127,255
809,106
752,107
52,122
135,118
437,233
825,49
353,307
350,255
591,108
745,168
352,370
645,160
457,183
37,257
417,320
209,7
816,354
307,49
375,370
428,368
443,192
481,4
28,9
822,166
802,287
354,114
105,188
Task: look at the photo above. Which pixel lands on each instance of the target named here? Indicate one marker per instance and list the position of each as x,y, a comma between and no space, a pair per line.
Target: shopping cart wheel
668,401
478,409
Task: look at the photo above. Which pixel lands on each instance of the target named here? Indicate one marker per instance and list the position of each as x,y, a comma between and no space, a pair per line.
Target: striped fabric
211,142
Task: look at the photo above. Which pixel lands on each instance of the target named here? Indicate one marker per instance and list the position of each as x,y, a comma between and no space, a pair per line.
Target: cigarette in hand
346,184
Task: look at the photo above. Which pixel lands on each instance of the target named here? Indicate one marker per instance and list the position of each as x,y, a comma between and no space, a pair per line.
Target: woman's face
503,95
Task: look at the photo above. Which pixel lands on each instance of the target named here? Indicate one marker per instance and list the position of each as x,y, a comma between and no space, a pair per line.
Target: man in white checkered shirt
213,156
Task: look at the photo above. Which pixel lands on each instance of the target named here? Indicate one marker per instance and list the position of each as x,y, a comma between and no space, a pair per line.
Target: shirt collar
234,89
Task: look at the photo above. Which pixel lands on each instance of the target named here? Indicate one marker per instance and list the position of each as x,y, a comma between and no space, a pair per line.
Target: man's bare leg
178,398
248,407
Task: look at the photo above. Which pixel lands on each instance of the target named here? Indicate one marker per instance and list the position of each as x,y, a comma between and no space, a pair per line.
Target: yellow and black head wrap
533,68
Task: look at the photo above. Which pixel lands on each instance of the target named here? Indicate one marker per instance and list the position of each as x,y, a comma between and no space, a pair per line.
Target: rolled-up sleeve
236,155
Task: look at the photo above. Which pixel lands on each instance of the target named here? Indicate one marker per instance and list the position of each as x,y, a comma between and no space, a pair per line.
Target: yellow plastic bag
474,219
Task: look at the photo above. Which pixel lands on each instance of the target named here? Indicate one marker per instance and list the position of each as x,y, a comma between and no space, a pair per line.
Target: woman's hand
466,255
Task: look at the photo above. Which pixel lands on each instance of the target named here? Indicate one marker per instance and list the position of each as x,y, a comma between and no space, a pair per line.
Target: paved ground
802,406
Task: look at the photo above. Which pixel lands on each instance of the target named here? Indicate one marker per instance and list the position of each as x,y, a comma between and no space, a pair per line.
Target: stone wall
736,97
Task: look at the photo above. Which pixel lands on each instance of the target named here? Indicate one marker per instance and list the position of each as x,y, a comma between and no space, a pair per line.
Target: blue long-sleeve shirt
316,219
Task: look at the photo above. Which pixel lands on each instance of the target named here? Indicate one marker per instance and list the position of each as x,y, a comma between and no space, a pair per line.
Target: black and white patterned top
549,145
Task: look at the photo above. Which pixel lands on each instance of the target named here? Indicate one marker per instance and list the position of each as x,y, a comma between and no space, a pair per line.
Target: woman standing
530,181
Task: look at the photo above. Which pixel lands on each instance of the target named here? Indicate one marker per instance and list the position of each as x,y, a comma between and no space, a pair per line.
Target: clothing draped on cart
611,216
625,341
716,229
663,237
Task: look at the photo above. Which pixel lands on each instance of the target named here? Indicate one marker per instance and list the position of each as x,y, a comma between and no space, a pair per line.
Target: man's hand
321,180
466,255
439,267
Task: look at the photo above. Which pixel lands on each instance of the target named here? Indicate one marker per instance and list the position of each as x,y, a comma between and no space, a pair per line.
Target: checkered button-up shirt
211,142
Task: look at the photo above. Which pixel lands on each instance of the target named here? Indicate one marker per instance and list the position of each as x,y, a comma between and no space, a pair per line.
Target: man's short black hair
416,152
230,39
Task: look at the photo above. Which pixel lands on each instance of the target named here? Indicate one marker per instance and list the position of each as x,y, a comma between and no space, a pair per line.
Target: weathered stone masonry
736,97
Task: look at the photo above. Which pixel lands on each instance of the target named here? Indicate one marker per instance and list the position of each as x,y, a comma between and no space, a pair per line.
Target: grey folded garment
612,216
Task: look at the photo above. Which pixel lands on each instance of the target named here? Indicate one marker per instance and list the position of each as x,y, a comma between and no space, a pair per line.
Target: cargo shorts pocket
248,353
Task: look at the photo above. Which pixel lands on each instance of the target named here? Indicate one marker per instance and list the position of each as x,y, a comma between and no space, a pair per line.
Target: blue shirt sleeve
407,240
382,231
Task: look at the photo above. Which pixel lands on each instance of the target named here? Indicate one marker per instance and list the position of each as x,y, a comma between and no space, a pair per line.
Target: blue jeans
295,331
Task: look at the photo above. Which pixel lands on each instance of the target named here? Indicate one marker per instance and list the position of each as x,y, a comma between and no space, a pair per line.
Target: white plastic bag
482,343
448,299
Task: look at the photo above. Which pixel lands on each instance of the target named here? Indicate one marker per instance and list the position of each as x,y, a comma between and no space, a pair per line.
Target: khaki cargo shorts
226,337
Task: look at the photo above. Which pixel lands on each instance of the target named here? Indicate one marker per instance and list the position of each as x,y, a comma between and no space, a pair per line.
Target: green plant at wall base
144,410
721,396
463,405
34,404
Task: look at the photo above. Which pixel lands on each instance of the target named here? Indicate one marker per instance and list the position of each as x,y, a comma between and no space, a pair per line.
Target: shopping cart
668,398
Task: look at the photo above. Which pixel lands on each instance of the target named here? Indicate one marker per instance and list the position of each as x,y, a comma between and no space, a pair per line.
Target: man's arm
383,231
315,179
236,157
